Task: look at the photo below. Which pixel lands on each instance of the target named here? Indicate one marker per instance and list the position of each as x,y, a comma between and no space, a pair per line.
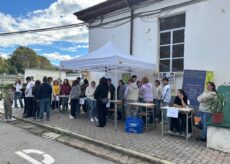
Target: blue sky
17,15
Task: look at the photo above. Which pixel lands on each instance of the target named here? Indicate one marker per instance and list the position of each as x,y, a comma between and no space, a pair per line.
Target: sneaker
71,117
92,120
177,133
189,135
171,132
12,119
95,118
6,119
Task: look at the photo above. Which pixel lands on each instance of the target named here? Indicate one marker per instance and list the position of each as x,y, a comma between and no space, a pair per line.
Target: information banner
194,84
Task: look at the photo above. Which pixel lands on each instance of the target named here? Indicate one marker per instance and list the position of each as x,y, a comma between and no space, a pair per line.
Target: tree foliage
23,57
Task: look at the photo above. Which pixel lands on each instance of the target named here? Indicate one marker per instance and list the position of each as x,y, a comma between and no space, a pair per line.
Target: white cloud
74,48
37,49
57,56
59,13
4,55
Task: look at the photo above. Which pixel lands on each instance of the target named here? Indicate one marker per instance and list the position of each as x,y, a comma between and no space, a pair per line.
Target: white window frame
171,58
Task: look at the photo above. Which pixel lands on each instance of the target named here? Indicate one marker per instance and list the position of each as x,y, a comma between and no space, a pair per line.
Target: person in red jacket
65,91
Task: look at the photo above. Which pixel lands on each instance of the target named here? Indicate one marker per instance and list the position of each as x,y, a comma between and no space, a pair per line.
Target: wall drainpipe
131,27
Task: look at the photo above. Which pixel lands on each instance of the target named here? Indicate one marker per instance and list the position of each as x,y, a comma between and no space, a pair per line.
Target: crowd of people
40,97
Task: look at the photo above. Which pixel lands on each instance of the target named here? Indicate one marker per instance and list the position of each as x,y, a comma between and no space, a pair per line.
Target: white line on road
28,158
47,158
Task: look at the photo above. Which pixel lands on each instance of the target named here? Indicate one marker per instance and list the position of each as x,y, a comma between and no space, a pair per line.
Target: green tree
24,57
44,63
3,66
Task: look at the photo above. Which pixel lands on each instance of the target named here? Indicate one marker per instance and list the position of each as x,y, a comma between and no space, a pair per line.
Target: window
172,31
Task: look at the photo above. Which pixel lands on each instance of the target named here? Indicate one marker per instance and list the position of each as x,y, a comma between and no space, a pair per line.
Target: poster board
169,75
194,84
126,77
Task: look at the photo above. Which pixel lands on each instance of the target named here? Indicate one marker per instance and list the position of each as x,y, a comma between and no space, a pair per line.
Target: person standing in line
166,97
44,92
50,81
56,94
131,95
90,90
29,98
83,89
157,100
74,99
121,96
147,91
102,96
205,109
139,84
65,91
134,78
112,90
8,102
36,99
18,94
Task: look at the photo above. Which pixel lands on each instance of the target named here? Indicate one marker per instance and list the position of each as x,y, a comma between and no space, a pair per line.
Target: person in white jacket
131,95
91,101
204,108
166,97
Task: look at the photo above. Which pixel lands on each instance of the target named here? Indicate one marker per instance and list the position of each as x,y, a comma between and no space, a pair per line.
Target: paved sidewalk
169,148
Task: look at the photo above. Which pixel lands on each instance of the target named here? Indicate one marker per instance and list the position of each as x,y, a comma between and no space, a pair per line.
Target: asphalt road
17,146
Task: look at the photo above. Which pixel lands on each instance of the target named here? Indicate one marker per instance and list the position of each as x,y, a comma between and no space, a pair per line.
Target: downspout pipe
131,26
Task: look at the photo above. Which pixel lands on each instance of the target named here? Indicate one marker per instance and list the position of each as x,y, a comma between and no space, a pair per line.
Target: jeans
204,118
157,111
92,106
75,107
165,118
18,96
45,106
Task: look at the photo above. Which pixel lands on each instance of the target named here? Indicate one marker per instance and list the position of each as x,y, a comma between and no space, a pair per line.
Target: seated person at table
178,125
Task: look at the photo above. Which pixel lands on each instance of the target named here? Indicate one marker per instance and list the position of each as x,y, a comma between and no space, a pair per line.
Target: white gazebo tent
108,58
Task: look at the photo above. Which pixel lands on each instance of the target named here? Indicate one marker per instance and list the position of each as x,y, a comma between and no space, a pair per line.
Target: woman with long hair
181,101
65,92
18,93
204,108
102,96
56,94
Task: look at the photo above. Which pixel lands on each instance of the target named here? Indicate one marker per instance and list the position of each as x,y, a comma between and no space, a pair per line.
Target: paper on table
172,112
108,105
82,101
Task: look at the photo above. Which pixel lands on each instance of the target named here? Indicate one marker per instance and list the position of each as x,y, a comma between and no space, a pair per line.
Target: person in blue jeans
18,94
91,101
44,92
204,108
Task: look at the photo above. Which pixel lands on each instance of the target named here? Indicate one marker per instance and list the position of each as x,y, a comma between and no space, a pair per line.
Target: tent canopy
108,58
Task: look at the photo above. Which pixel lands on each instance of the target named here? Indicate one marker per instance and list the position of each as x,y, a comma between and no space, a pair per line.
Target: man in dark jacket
44,92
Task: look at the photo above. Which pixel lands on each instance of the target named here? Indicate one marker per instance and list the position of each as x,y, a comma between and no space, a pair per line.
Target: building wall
206,35
38,74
